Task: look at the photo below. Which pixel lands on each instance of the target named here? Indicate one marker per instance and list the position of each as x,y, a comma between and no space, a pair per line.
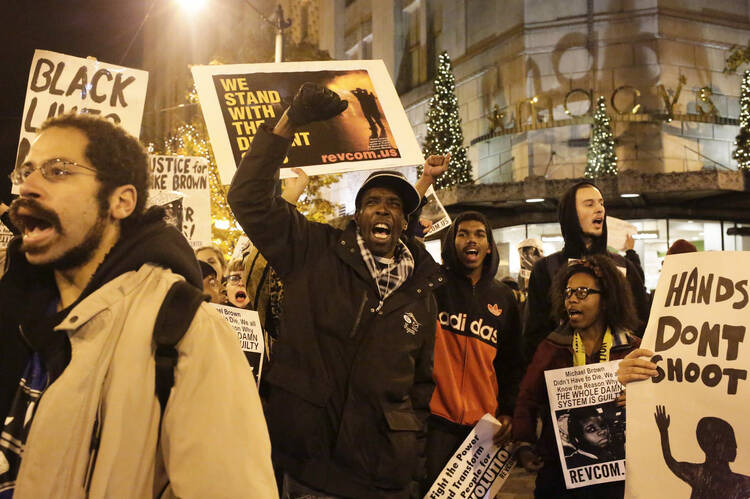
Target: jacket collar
427,275
563,337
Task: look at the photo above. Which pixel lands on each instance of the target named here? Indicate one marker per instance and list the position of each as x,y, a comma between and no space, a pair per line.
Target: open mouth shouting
598,223
37,224
239,298
381,231
471,254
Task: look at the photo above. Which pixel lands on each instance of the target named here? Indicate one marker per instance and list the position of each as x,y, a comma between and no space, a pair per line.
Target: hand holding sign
314,102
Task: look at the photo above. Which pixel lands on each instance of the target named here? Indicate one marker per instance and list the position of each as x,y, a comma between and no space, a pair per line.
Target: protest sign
690,434
617,232
435,213
247,326
478,468
373,132
5,236
188,176
589,426
60,83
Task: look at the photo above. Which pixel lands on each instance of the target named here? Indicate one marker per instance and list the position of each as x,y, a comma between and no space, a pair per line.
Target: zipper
93,450
359,315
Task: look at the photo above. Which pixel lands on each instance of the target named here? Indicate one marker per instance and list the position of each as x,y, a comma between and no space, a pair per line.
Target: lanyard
579,352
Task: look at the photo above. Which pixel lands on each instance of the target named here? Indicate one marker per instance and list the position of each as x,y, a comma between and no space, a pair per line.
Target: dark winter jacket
25,291
554,352
478,344
350,384
538,319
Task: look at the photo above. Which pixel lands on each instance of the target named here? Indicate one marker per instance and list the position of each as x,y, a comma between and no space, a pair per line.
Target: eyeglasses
53,170
580,292
234,278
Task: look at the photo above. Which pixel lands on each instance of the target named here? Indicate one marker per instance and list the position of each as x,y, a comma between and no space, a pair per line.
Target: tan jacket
214,441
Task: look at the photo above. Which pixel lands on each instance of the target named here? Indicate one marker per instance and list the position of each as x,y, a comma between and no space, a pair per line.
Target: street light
191,6
278,21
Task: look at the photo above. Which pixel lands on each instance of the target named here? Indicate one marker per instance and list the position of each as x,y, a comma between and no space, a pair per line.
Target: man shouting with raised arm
351,377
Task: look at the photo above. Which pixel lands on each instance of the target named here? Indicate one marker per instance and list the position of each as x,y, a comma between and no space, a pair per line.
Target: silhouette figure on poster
712,478
370,109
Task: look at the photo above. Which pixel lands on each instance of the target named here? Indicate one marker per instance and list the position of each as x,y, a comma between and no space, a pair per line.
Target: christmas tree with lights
444,134
742,141
601,159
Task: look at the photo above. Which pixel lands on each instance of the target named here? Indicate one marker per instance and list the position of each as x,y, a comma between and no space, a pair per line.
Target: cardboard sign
478,468
60,83
435,213
373,132
589,426
188,177
247,325
693,435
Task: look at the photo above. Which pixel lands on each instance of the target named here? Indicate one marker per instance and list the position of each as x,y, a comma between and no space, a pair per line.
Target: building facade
528,73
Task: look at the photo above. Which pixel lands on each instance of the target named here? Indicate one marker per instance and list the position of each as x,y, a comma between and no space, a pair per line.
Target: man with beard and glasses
583,223
351,374
83,284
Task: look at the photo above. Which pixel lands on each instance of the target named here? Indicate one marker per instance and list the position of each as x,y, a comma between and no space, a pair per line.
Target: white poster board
435,213
589,426
372,133
60,83
188,176
697,330
617,232
246,324
478,468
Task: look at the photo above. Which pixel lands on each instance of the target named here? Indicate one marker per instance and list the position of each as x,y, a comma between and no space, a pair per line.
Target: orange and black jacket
478,342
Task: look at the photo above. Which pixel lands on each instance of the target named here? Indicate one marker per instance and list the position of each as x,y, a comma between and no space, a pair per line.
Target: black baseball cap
395,181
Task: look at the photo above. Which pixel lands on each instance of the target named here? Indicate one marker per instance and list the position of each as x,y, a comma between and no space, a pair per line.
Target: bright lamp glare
191,5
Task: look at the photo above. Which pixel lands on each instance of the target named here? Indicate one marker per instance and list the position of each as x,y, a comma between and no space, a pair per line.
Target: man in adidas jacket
478,343
82,289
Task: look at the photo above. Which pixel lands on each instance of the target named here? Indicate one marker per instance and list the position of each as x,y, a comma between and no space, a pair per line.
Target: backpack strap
172,322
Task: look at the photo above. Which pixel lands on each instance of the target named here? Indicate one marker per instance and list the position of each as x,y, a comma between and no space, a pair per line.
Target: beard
73,257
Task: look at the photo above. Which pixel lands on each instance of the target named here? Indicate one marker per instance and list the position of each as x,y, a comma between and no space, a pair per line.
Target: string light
444,134
601,159
742,141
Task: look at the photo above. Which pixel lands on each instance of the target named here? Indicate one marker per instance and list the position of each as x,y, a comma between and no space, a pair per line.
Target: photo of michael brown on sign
372,132
589,425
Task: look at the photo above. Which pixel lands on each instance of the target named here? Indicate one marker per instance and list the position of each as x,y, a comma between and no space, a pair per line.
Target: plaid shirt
388,275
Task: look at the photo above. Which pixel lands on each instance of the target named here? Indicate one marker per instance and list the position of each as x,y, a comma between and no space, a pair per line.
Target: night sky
100,28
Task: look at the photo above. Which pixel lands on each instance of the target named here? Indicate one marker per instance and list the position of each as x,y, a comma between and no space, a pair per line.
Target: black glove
314,103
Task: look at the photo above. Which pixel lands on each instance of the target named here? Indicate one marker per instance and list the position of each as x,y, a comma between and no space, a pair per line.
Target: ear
356,217
404,224
489,251
122,201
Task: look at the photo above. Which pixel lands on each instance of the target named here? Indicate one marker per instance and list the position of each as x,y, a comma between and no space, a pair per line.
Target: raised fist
314,102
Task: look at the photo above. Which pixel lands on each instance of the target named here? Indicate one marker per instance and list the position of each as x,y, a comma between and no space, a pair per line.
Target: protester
211,284
478,343
595,307
583,222
84,284
529,251
236,292
681,246
351,374
213,256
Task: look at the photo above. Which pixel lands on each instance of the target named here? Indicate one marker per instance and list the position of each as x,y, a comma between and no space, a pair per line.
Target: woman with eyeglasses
595,310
